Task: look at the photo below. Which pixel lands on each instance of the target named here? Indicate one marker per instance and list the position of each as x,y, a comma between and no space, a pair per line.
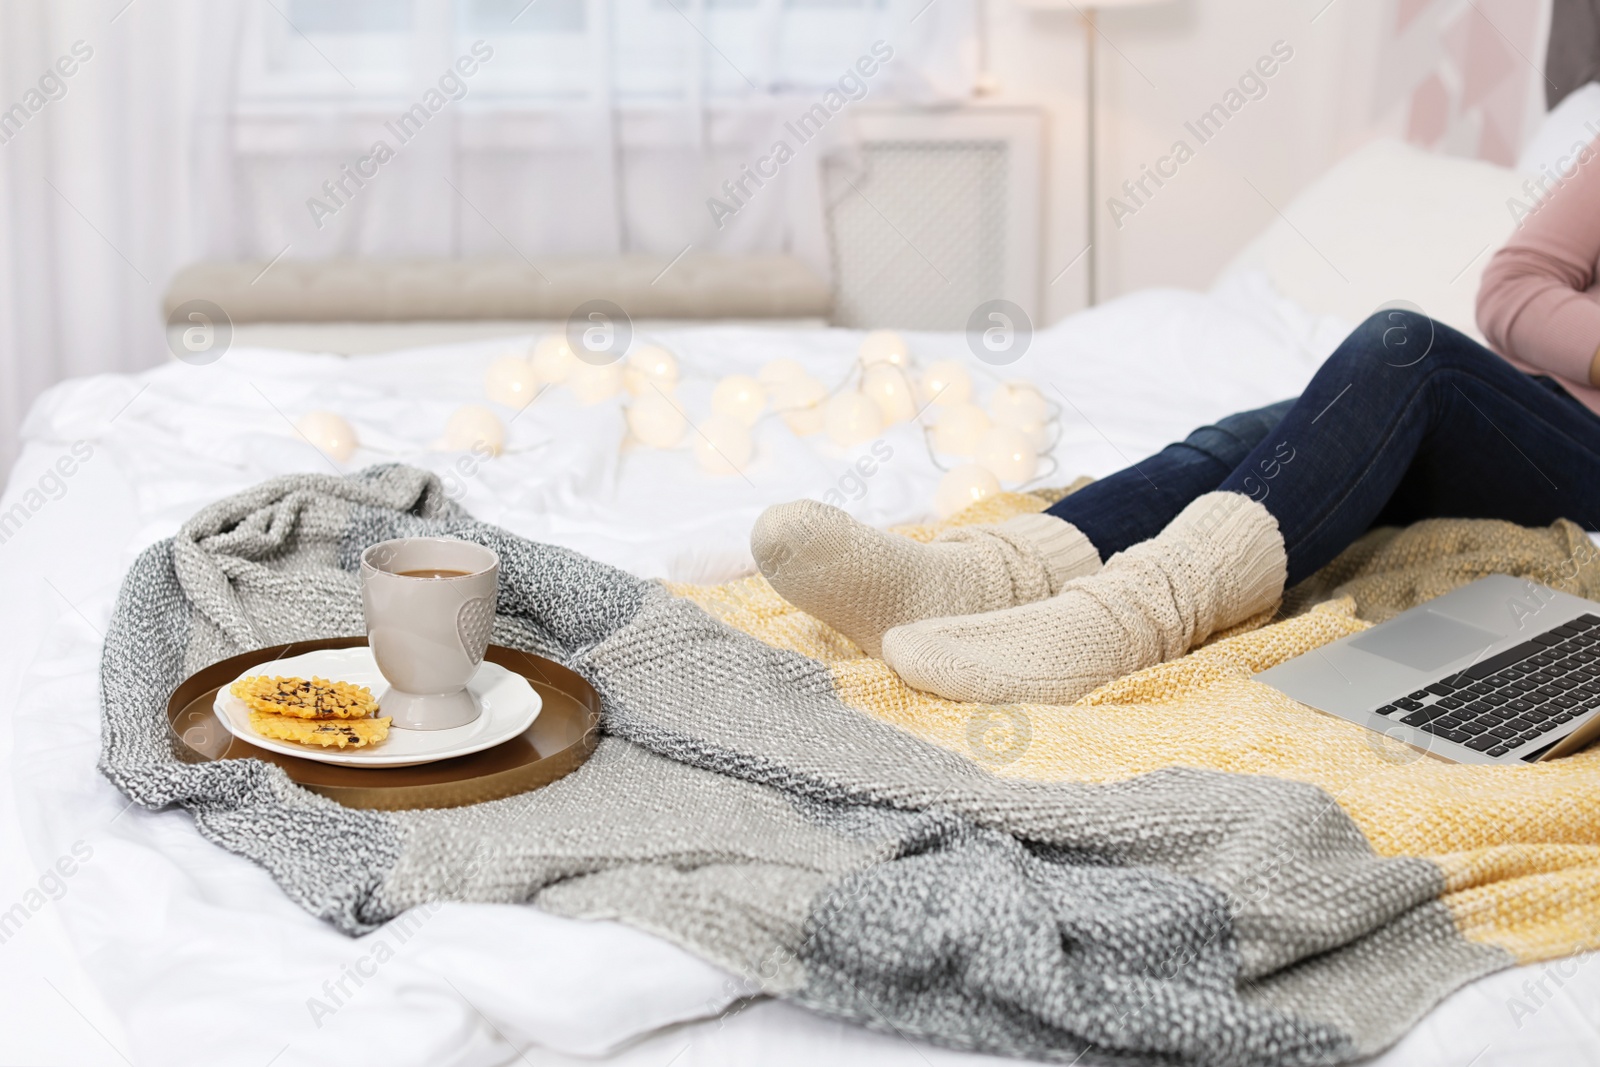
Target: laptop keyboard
1515,697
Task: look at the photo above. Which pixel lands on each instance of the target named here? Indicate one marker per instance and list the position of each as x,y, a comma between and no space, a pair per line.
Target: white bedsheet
164,949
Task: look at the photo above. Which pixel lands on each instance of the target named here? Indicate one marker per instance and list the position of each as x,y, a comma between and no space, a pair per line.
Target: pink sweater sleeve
1533,304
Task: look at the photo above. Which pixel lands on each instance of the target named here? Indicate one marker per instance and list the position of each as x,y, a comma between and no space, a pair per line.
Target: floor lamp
1091,31
1092,144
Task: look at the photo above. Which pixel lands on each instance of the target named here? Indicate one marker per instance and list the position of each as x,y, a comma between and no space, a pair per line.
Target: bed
159,947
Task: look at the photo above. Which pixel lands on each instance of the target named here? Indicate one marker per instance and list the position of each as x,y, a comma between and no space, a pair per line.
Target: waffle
297,698
329,733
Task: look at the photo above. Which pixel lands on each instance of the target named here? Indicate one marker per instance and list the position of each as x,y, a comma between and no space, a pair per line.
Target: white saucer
509,707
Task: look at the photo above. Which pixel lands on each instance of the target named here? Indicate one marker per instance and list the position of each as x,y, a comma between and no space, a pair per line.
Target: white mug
429,603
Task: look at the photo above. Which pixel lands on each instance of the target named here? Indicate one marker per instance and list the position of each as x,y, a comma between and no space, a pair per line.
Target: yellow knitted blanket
1519,846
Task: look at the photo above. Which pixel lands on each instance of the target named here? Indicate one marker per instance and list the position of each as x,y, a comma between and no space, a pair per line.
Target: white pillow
1389,222
1572,124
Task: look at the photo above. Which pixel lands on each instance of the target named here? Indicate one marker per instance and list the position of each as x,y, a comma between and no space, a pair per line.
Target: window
548,52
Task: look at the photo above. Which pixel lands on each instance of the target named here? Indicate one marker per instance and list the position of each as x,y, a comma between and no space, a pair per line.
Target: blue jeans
1407,420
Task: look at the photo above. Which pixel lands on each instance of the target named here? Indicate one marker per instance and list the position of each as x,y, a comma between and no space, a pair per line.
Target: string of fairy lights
980,449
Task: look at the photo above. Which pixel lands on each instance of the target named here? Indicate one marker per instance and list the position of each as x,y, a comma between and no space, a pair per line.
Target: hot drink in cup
429,603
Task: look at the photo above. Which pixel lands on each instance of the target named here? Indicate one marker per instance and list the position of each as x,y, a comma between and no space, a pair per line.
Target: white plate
509,707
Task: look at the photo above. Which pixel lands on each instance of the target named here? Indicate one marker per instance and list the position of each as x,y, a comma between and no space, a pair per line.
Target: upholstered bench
367,305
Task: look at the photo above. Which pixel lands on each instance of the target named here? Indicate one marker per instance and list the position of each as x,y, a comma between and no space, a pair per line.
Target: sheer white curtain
303,128
95,187
561,126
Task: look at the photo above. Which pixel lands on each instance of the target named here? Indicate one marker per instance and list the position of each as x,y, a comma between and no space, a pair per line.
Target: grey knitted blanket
739,808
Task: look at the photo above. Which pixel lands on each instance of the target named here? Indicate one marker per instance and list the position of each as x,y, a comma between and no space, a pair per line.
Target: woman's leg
1407,420
864,582
1411,420
1136,503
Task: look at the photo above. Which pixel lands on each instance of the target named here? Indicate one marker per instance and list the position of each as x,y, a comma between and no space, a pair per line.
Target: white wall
1160,66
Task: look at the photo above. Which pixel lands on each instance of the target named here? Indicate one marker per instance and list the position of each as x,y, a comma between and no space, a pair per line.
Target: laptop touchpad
1425,641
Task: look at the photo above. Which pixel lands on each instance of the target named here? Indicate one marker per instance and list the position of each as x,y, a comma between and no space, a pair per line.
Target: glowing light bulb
890,388
778,371
883,346
959,429
591,384
799,401
650,364
655,421
473,427
1038,435
739,396
510,381
851,419
1018,404
1008,453
723,445
963,487
553,359
330,434
946,382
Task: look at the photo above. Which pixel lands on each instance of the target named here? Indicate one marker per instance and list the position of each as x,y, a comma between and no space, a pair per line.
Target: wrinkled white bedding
161,948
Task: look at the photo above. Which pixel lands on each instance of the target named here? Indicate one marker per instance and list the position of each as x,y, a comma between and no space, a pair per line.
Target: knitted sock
1219,562
863,581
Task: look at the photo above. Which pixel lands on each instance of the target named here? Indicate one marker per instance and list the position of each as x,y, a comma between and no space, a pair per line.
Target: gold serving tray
558,742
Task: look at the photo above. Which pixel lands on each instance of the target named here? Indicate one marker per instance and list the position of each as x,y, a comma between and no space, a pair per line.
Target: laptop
1503,670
